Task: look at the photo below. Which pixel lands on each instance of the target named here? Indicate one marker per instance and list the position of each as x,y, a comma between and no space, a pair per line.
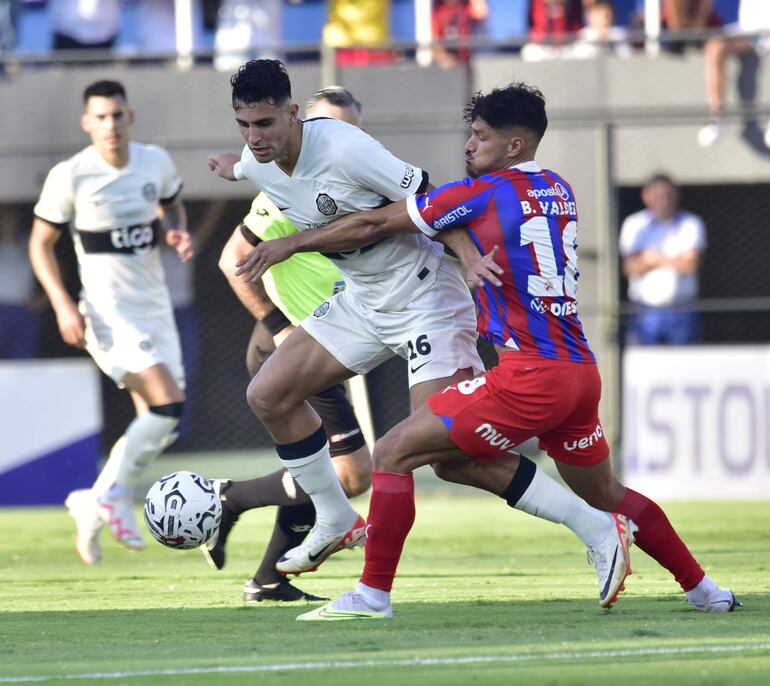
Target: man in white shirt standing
118,199
661,248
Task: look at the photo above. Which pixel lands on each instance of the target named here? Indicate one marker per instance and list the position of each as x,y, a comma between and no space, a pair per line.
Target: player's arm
477,267
347,233
42,242
173,217
252,294
224,165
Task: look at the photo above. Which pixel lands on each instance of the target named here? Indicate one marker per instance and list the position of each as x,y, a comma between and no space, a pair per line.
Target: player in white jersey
402,298
280,303
119,199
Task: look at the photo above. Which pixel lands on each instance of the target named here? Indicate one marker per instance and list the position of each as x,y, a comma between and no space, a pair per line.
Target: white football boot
82,507
316,548
117,511
352,605
611,559
708,597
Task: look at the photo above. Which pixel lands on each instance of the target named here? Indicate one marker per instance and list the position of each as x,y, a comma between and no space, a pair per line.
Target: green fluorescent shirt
301,283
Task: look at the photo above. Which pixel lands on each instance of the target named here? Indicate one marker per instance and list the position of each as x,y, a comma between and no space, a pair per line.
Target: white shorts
436,333
120,346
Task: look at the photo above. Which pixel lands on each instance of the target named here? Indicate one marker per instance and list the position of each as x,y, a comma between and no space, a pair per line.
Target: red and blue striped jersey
530,214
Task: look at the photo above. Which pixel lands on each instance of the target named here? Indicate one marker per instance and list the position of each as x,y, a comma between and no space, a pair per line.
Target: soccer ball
182,510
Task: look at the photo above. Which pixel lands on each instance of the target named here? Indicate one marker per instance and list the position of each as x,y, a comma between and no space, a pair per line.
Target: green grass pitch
485,595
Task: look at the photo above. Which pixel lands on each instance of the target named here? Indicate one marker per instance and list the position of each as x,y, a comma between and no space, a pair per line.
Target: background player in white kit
401,298
117,197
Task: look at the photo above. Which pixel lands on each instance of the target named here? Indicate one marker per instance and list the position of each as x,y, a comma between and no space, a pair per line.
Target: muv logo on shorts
494,437
585,441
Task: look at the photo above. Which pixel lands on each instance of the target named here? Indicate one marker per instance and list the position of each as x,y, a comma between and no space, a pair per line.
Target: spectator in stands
9,17
19,301
79,25
745,40
456,20
687,16
600,36
360,30
247,29
553,25
661,248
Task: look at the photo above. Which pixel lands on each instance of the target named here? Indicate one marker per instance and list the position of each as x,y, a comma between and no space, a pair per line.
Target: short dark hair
260,81
659,177
104,89
515,105
334,95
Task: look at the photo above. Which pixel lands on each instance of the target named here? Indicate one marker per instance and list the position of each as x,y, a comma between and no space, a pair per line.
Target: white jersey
113,216
341,170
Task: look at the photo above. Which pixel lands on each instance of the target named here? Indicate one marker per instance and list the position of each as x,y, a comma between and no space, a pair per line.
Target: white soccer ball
182,510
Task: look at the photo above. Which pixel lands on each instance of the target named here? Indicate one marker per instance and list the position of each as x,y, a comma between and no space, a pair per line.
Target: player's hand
485,268
72,326
181,241
223,164
265,255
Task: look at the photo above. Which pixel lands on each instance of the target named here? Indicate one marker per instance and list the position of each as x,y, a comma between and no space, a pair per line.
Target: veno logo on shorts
137,237
585,441
494,437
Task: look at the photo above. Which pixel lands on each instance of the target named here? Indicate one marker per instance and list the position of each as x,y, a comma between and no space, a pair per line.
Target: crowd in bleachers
540,28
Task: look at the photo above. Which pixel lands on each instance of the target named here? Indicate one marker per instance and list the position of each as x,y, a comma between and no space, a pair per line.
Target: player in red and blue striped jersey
530,215
546,384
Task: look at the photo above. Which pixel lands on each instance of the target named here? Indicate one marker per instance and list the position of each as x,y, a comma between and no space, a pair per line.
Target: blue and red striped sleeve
449,206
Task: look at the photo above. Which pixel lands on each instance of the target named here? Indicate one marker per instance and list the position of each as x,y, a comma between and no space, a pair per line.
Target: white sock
546,499
146,437
375,598
699,594
316,475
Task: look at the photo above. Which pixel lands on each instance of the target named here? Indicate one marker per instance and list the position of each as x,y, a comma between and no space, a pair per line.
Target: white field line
404,662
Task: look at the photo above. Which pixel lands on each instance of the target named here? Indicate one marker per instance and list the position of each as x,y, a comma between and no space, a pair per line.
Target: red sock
657,538
391,515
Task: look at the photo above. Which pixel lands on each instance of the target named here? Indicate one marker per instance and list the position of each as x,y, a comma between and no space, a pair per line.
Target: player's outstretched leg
654,535
391,515
606,536
237,497
292,525
298,369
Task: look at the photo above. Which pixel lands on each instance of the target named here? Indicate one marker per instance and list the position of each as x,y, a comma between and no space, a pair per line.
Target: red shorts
525,397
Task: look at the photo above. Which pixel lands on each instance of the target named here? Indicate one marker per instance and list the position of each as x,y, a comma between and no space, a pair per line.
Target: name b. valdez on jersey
138,239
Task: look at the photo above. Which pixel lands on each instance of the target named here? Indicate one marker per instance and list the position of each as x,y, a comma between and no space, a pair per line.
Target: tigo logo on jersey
136,237
585,441
494,437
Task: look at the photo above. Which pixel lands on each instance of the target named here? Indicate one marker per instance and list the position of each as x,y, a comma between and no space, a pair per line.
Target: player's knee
268,404
390,452
355,474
